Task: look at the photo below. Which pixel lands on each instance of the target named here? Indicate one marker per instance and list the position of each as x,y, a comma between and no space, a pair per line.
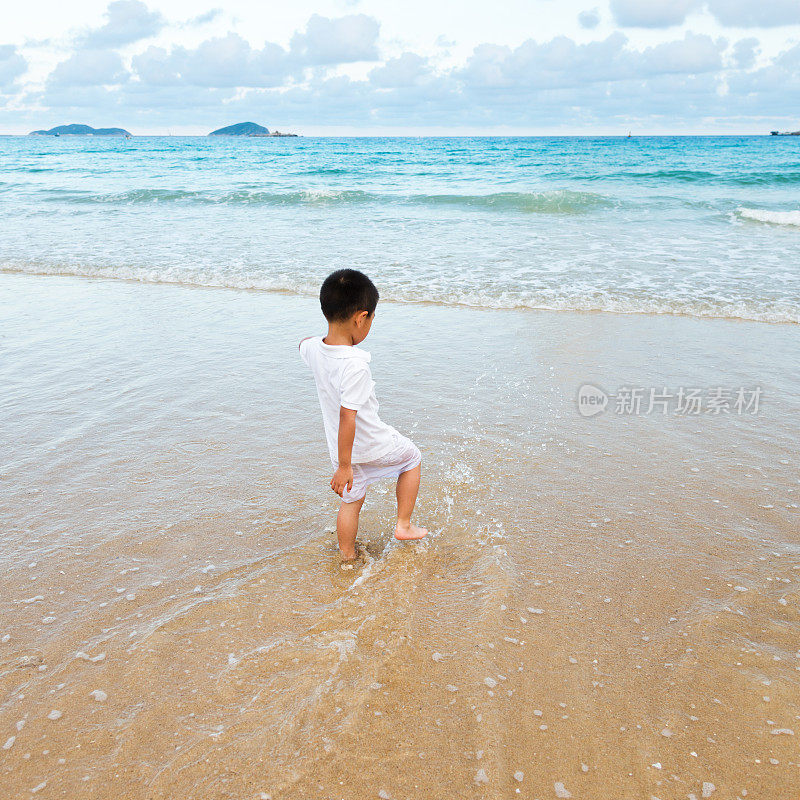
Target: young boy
363,449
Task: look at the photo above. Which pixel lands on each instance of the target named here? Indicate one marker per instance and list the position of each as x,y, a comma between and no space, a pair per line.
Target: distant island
785,133
247,129
80,130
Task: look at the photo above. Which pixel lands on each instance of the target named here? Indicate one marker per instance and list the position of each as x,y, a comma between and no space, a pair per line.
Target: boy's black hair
345,292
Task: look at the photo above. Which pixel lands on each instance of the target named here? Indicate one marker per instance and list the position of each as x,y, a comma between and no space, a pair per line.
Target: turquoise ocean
706,226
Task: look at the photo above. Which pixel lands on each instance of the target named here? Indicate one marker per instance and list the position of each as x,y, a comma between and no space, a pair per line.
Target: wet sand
607,607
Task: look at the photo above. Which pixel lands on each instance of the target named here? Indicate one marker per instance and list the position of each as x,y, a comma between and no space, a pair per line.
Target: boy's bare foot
408,531
358,560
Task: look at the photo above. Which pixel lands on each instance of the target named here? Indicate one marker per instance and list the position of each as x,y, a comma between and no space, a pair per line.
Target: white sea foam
657,300
85,657
772,217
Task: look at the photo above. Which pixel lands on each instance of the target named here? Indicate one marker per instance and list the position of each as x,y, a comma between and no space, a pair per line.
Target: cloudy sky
420,66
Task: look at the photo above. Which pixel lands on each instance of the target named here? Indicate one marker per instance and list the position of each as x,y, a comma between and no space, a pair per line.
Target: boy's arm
343,477
303,350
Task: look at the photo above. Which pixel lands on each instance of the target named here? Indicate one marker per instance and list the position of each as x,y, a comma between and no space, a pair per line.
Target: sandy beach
607,607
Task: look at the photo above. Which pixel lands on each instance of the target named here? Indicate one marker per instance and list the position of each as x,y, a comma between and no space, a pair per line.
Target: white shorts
402,457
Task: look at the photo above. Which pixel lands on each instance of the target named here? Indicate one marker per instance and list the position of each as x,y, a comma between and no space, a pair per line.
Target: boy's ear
361,317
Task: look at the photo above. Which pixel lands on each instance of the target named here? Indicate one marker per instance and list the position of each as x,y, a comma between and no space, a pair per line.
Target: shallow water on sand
606,607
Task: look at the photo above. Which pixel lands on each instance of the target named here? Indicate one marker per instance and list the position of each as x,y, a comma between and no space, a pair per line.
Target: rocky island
80,130
247,129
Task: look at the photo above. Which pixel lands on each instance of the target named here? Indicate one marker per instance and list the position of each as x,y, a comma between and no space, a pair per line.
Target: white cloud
729,13
407,70
755,13
12,65
620,80
764,91
651,13
82,99
88,68
790,58
158,67
589,19
692,55
337,41
745,52
230,61
128,21
206,17
562,62
227,61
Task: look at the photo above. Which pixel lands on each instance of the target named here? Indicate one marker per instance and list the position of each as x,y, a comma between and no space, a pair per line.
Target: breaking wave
772,217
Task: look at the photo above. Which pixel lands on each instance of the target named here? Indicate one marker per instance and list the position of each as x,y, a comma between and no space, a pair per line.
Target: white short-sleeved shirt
343,378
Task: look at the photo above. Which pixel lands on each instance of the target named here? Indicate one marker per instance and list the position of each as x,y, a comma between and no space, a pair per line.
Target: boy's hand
342,479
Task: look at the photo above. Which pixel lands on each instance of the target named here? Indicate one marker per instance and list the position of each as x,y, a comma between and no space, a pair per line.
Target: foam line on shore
766,310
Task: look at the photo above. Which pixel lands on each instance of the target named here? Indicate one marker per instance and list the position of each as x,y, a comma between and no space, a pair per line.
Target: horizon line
454,135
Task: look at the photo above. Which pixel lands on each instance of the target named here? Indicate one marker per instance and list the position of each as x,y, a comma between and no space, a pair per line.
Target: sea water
704,226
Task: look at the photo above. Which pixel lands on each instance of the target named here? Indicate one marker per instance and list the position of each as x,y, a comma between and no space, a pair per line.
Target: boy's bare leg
347,528
407,488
